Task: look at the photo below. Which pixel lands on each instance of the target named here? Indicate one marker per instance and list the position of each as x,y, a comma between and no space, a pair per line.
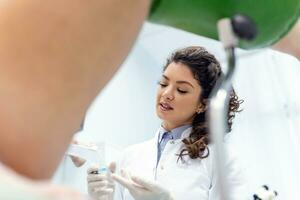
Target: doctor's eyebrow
180,82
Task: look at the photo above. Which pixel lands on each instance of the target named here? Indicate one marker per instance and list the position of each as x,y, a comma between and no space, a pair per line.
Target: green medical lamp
273,18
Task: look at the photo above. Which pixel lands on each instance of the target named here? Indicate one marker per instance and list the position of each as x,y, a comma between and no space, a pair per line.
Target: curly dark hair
207,71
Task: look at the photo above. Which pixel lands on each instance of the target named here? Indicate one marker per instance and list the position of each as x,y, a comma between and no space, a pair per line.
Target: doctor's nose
167,95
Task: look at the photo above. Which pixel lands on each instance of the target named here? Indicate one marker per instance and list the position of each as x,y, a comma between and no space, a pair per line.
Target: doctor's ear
202,107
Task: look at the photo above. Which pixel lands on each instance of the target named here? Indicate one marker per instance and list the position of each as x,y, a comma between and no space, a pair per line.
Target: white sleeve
237,184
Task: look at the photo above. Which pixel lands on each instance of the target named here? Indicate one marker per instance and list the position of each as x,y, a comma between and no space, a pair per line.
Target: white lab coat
186,180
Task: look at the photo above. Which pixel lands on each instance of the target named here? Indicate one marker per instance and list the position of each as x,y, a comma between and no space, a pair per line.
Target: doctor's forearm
55,57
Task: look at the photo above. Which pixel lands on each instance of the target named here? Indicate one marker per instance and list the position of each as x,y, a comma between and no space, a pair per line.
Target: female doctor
178,162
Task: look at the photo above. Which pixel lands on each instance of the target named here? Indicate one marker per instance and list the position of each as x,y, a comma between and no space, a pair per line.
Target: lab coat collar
176,133
185,133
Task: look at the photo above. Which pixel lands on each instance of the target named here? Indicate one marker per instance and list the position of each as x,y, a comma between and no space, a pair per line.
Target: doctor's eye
162,84
182,91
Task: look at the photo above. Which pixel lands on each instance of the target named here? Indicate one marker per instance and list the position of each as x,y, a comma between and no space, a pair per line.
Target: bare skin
290,43
55,57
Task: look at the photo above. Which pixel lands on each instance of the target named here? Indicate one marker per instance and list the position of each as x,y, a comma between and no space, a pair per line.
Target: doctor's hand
101,186
142,189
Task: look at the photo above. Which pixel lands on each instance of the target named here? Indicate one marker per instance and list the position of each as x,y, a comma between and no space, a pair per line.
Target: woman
177,163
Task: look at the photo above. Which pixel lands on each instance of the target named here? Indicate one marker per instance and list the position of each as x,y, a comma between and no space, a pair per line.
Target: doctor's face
178,96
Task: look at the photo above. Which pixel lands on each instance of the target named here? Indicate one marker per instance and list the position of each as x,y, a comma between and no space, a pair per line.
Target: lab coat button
162,167
172,142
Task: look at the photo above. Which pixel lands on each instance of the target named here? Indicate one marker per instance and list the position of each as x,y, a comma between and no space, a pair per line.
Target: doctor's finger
145,183
125,174
96,177
103,191
92,168
99,184
112,167
123,181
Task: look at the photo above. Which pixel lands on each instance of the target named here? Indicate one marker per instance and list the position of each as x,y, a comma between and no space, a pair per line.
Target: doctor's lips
165,106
